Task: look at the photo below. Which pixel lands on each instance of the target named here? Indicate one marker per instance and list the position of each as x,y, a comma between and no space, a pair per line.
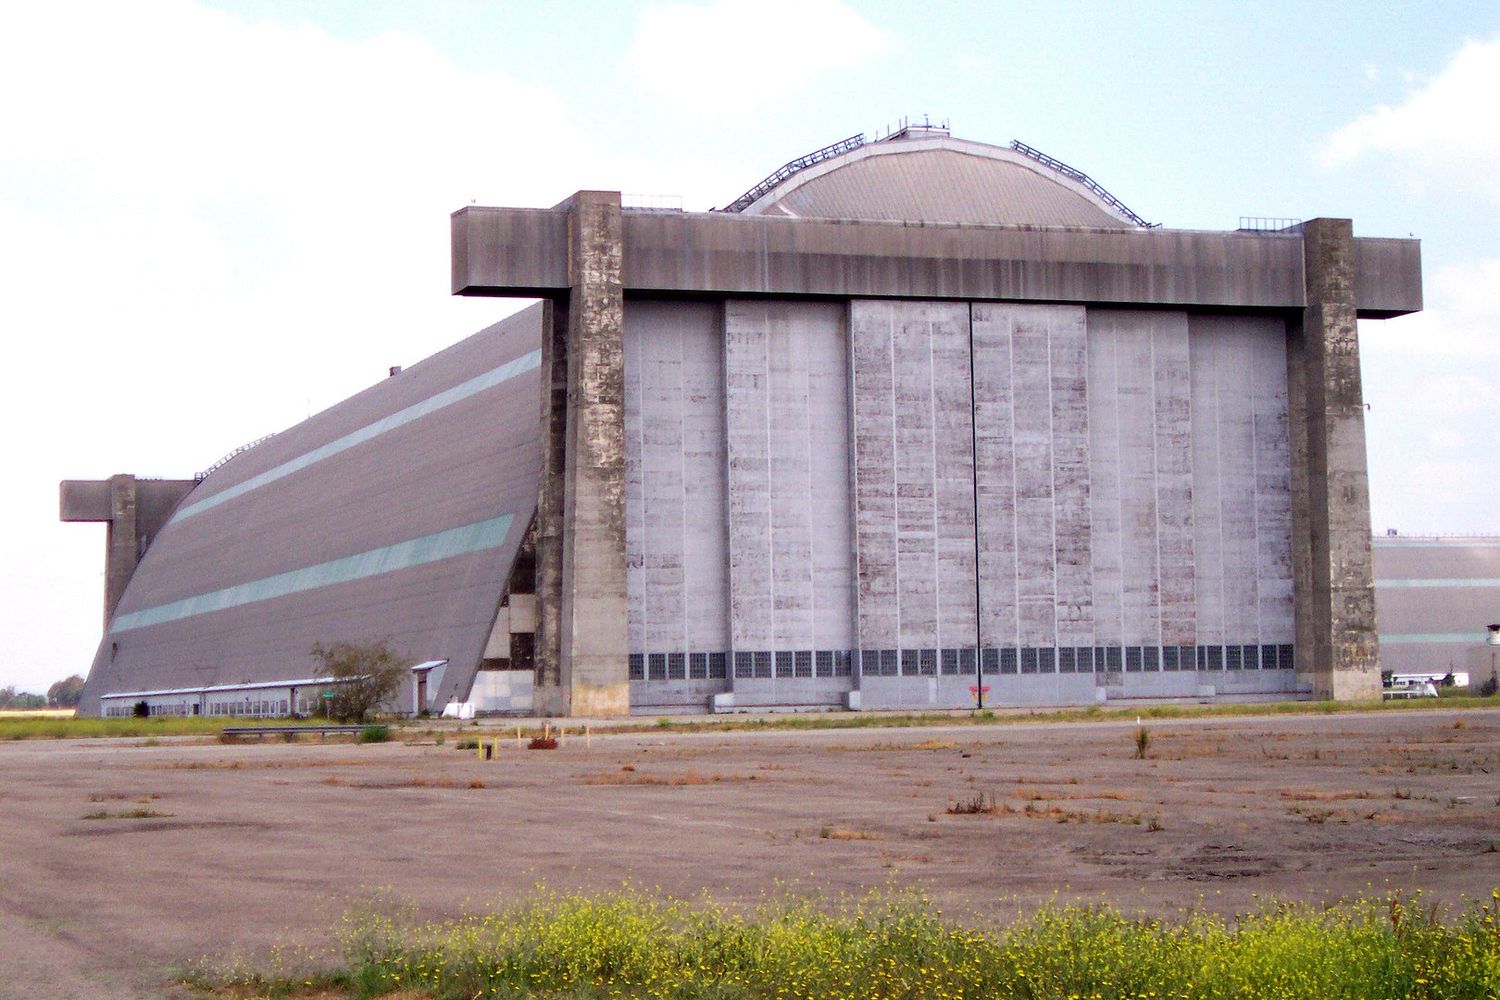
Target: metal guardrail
749,198
1082,178
242,448
1269,224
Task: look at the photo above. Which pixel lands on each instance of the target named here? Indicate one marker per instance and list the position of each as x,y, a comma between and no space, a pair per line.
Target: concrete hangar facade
911,418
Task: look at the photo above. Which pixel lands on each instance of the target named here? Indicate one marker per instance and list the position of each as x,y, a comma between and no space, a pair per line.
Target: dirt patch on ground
269,843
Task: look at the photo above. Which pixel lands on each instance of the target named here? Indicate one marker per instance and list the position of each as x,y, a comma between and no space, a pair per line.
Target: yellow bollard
496,744
518,737
479,748
588,737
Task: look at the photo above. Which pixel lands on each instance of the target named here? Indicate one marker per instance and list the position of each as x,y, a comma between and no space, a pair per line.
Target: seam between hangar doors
463,540
432,404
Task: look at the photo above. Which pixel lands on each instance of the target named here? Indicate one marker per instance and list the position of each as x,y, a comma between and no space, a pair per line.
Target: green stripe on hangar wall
438,401
463,540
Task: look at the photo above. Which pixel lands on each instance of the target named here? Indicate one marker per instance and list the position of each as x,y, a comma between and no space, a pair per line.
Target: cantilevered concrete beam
134,509
524,252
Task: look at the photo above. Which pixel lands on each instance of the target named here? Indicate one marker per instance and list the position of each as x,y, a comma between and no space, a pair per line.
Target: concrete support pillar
592,648
122,546
1338,646
550,697
134,510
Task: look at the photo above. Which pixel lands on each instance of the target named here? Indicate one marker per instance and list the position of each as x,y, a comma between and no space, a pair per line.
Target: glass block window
1133,659
824,663
802,661
1067,660
784,663
1232,659
1169,657
910,663
698,666
890,660
1150,657
1187,657
1008,664
744,664
843,663
1252,657
1210,657
1046,659
1113,658
676,666
637,666
1285,658
763,663
989,660
716,666
967,659
656,667
950,662
928,662
1085,655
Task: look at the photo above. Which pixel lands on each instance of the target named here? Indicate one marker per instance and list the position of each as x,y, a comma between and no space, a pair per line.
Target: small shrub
1488,688
976,805
374,734
542,743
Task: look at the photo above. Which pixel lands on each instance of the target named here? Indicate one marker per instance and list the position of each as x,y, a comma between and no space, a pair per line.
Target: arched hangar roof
933,177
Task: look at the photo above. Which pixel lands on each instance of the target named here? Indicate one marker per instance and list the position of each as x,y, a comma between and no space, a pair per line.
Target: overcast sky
219,217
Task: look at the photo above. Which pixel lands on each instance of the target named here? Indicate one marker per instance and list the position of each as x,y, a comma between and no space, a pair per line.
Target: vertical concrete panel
1174,479
1141,457
675,538
788,460
1031,437
914,475
1242,500
1106,530
995,483
1070,476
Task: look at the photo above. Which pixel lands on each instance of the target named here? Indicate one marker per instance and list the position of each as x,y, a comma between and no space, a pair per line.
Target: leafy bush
374,734
365,676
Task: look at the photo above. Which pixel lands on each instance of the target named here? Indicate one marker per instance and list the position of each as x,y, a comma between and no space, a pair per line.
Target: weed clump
374,734
898,945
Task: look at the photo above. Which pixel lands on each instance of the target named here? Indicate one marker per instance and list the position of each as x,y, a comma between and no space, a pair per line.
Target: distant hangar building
912,421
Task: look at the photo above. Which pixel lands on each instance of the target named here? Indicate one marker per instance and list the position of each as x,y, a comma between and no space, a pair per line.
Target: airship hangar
914,422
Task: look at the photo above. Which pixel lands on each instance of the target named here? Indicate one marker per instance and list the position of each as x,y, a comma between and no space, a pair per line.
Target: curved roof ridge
919,178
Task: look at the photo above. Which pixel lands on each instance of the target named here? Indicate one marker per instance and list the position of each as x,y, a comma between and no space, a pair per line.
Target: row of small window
1072,659
807,663
252,709
749,664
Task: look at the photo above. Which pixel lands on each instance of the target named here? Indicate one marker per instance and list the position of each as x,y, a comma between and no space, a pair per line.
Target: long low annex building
912,423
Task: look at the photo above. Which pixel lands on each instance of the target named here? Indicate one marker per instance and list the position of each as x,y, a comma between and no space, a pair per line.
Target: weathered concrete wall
550,696
789,516
1341,600
678,564
1031,441
503,251
913,489
1241,489
595,607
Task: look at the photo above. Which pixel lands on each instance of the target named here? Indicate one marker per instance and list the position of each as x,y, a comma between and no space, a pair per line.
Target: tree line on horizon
64,694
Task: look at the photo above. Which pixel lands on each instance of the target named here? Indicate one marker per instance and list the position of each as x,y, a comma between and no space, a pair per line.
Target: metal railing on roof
749,198
1088,182
242,448
1268,224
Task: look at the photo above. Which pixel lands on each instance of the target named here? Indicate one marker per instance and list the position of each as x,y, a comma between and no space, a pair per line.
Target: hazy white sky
218,217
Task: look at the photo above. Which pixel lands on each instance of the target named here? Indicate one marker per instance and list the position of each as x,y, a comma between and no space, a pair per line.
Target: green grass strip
898,946
90,728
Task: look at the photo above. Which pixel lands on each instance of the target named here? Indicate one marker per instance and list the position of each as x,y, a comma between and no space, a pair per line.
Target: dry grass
846,833
627,775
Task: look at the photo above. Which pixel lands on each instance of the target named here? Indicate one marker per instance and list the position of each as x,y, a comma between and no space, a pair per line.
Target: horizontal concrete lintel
523,252
84,500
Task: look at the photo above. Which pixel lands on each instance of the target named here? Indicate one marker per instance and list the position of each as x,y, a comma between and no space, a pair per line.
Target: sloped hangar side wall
397,513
